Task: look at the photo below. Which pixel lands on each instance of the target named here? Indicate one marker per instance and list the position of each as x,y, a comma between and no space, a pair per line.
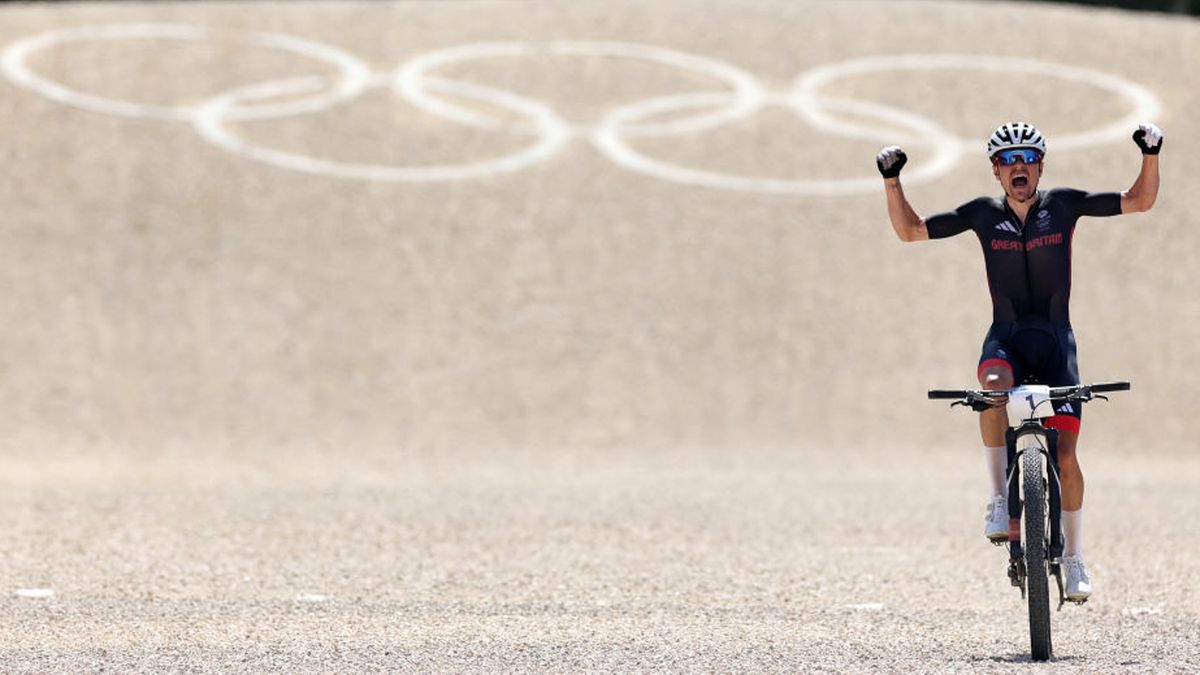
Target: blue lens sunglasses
1010,157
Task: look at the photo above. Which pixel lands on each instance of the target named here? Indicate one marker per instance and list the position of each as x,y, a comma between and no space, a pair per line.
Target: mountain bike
1034,487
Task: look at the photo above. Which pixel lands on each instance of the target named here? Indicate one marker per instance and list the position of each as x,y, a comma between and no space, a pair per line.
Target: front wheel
1037,577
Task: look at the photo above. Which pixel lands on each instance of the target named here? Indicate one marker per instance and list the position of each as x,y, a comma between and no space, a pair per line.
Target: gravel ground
568,418
806,562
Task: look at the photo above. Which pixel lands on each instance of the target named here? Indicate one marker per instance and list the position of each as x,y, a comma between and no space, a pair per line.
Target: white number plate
1031,401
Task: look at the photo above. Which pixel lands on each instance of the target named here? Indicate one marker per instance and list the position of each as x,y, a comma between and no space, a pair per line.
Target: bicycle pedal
1063,601
1016,575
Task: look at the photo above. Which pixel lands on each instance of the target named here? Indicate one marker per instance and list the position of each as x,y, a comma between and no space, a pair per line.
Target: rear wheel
1037,578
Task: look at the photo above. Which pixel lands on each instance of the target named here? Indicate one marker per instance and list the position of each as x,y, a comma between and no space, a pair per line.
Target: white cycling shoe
1078,583
996,520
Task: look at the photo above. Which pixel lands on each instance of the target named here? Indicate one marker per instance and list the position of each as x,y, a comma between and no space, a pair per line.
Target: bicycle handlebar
950,393
1078,392
1055,392
1109,386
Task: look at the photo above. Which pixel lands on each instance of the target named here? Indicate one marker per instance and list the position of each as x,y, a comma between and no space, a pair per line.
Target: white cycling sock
1072,527
997,464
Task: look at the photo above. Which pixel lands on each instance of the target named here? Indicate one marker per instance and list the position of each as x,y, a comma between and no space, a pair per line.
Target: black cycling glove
890,160
1149,138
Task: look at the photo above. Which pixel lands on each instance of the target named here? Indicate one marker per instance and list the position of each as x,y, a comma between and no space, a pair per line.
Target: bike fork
1016,552
1054,488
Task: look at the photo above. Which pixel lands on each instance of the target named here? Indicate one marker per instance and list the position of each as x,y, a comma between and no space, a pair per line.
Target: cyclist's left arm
1141,195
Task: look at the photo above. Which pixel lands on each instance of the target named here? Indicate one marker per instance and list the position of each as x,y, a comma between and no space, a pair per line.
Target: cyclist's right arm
910,226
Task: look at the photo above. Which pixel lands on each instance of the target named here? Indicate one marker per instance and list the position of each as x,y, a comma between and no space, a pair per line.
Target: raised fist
1149,138
890,160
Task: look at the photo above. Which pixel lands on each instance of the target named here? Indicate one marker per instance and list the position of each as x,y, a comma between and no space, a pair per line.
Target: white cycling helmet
1015,135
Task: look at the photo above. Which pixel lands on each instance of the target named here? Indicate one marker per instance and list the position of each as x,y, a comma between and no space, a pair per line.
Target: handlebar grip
947,393
1110,386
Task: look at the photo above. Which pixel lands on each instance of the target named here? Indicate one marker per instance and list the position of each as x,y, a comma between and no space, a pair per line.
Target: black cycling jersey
1028,264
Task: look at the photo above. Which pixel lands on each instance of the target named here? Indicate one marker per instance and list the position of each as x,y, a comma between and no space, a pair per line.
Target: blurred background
162,290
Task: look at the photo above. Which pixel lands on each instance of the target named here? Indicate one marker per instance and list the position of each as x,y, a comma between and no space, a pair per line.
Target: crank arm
1016,574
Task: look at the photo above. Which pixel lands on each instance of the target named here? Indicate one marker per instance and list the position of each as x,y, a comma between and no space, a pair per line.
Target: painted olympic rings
737,96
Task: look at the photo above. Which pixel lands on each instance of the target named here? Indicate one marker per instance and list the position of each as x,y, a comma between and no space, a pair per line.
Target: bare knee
995,378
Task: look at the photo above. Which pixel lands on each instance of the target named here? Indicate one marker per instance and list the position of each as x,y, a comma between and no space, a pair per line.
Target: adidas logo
1007,226
1066,408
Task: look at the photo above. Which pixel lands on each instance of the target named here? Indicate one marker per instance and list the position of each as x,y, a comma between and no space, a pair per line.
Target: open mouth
1020,181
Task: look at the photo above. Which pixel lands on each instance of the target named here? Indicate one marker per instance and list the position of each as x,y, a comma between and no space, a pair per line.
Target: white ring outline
553,133
354,79
610,142
749,94
806,86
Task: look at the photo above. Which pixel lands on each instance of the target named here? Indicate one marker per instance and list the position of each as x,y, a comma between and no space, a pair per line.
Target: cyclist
1026,238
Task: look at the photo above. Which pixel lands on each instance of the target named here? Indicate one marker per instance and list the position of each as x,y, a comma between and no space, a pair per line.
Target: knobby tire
1037,580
